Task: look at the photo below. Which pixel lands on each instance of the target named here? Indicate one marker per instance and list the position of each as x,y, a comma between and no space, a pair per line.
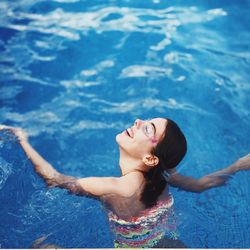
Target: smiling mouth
129,133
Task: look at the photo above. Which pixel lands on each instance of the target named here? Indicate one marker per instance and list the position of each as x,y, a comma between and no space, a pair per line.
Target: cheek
139,146
143,146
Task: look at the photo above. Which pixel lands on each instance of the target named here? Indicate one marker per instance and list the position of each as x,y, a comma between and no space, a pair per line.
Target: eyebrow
154,127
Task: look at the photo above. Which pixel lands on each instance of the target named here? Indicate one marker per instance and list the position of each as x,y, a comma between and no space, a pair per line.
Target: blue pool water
75,73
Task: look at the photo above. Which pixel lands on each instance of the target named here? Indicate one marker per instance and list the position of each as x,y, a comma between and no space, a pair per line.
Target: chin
118,138
121,140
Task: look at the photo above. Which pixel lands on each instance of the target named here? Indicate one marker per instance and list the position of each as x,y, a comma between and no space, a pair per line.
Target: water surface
76,73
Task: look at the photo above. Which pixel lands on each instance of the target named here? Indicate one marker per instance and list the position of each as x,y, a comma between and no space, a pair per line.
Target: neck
130,164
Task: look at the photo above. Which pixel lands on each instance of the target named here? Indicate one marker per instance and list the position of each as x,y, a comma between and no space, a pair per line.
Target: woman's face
140,139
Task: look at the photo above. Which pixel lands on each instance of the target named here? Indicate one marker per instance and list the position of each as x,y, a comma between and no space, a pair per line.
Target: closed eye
153,125
149,129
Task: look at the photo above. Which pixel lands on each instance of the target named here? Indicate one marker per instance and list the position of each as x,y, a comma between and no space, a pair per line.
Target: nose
138,123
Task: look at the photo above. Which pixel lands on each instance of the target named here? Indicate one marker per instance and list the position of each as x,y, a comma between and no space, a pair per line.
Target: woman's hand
18,132
42,167
243,163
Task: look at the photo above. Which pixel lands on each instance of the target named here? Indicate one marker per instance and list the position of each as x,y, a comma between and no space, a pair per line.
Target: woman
139,204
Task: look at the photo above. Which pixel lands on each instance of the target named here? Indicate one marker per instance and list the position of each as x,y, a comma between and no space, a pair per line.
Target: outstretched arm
212,180
92,186
42,167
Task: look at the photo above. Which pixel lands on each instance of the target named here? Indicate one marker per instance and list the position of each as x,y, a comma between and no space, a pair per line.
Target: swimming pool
75,73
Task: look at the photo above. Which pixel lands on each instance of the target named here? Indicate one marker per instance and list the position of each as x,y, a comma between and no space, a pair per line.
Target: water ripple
144,71
68,24
5,172
76,70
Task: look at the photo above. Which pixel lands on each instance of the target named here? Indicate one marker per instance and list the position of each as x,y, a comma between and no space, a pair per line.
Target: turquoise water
75,73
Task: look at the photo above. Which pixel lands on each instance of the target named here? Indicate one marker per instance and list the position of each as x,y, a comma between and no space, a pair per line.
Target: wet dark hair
170,151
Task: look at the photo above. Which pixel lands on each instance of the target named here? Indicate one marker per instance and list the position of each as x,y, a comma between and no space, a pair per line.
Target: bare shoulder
131,183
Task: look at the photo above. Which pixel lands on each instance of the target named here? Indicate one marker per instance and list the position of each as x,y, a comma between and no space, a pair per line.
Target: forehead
160,125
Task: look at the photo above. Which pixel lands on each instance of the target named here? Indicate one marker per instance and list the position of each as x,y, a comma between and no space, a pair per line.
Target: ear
150,160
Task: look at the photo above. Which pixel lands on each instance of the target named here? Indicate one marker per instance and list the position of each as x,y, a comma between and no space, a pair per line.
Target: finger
3,127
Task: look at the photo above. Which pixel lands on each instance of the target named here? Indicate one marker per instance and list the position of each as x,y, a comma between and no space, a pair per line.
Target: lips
129,133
